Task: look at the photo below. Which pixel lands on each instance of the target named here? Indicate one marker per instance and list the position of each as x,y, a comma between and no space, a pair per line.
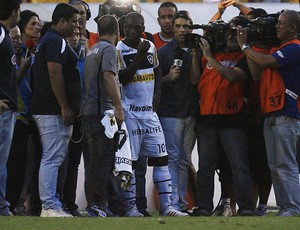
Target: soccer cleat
170,211
223,210
133,212
54,213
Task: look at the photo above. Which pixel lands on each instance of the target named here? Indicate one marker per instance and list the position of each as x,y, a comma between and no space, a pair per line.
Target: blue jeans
7,123
55,137
281,134
234,143
180,134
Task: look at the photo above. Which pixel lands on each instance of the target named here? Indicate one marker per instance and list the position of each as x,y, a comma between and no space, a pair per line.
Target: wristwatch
245,46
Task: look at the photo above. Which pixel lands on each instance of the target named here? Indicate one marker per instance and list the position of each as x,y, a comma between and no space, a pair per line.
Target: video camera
214,33
263,30
118,8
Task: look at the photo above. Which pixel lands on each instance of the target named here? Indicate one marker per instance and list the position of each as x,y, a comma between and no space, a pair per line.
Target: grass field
154,223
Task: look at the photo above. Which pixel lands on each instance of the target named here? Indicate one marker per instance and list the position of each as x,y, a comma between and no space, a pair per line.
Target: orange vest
272,88
94,38
218,95
158,42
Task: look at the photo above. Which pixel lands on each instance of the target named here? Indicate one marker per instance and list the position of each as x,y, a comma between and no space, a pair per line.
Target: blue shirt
288,58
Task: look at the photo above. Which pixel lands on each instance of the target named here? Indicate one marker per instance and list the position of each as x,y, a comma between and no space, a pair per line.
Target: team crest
150,59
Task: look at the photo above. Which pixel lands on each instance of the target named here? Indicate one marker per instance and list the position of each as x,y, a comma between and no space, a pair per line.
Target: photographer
222,122
279,89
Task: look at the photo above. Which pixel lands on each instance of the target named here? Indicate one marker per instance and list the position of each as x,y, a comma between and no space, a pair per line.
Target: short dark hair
257,12
182,14
107,25
63,10
7,7
136,16
167,4
25,16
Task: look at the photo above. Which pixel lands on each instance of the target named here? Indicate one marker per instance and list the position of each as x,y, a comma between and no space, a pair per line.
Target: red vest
158,42
272,88
218,95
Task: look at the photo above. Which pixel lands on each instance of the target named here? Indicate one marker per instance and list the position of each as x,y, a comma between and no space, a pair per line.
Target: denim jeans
281,134
180,134
234,143
7,123
55,137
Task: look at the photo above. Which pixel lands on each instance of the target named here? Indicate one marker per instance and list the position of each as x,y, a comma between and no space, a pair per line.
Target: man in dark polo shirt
9,16
55,100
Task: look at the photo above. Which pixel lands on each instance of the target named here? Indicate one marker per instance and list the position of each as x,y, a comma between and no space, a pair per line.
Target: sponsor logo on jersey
122,160
143,77
144,108
127,51
156,129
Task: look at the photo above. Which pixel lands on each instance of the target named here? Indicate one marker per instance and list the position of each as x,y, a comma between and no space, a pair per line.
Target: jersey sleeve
287,55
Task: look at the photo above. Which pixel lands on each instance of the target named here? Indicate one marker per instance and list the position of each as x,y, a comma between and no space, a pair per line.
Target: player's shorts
146,137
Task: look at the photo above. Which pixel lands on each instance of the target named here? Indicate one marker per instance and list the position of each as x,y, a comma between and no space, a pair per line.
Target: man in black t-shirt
9,16
55,100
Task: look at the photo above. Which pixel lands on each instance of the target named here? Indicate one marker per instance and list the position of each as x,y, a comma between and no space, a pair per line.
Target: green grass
154,223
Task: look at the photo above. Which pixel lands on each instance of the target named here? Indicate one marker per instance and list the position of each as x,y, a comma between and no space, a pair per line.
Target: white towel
110,124
123,162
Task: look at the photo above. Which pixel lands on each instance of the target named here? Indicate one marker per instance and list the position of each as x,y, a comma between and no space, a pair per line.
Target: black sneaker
74,212
261,211
245,212
200,212
99,211
145,213
20,211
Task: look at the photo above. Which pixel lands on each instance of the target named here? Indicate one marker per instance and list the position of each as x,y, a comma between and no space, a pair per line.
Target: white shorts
146,137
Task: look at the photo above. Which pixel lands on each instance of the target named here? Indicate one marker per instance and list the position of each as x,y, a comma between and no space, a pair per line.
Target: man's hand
221,7
68,116
205,48
3,105
231,2
143,47
174,73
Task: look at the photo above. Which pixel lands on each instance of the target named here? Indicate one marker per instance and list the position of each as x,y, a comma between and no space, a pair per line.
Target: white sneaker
133,212
54,213
170,211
